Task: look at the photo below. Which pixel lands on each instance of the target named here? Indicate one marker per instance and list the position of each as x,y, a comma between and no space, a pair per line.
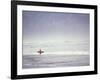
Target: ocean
54,60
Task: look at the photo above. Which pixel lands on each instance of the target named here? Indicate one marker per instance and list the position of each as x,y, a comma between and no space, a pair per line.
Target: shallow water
46,61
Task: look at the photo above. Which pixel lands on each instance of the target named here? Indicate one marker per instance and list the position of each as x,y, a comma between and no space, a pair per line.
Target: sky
59,28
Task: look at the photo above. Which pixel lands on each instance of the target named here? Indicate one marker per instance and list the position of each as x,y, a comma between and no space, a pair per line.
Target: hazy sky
53,26
53,31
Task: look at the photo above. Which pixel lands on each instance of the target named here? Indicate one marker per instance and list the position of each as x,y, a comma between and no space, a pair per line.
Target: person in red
40,51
